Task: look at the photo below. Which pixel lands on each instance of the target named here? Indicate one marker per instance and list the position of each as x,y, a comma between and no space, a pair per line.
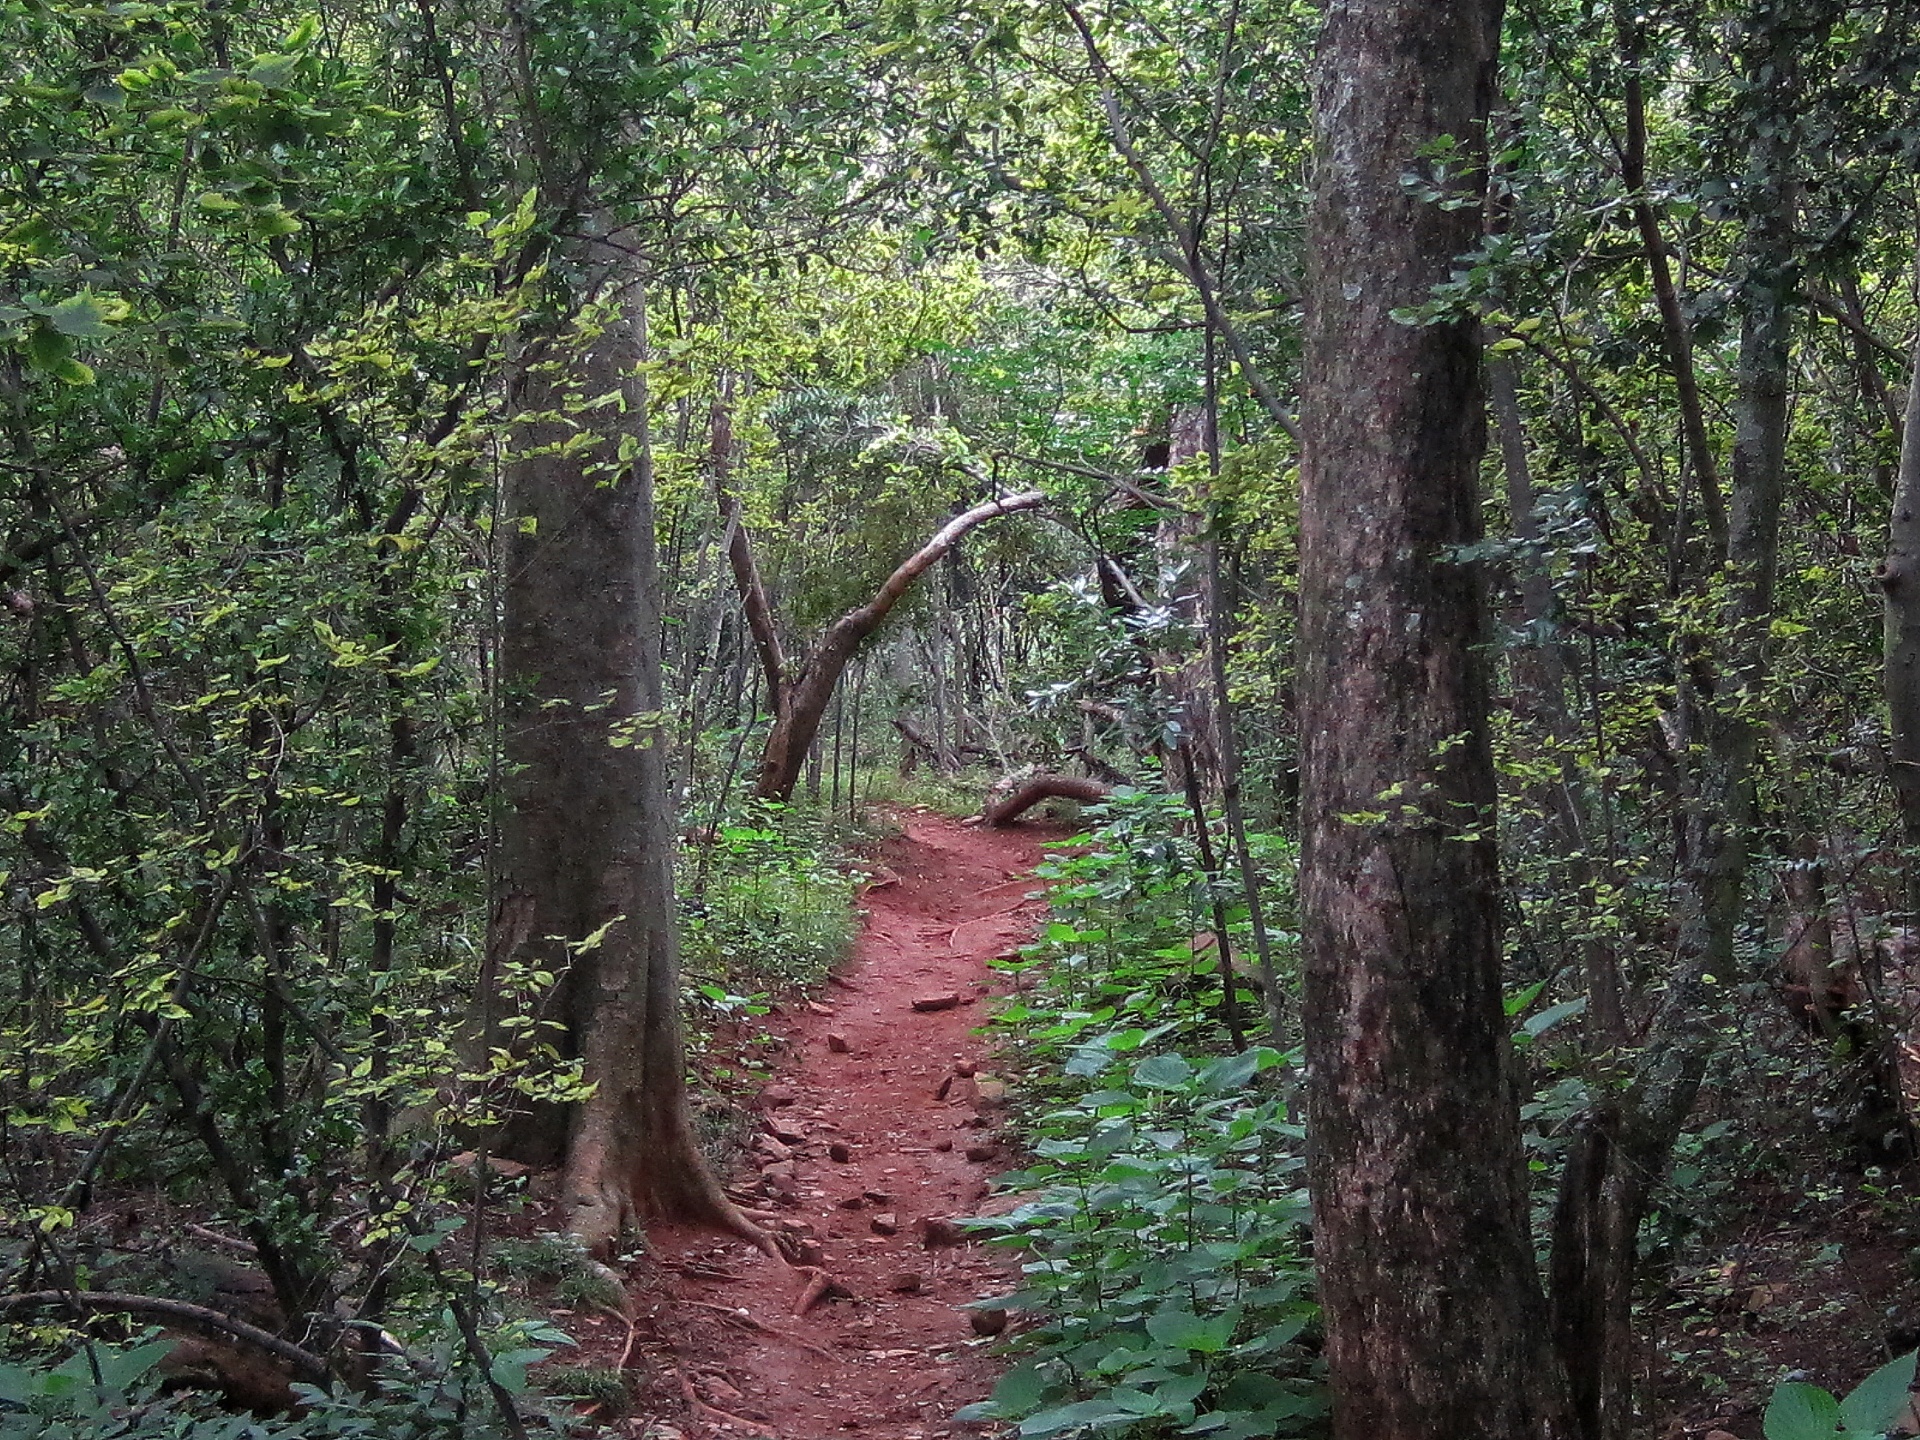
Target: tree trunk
1434,1316
1900,580
804,702
586,876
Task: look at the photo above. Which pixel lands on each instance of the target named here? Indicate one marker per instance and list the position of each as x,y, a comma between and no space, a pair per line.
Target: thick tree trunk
804,702
1434,1316
1900,580
585,887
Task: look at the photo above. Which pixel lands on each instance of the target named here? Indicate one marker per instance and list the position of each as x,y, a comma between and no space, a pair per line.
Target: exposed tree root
699,1409
740,1317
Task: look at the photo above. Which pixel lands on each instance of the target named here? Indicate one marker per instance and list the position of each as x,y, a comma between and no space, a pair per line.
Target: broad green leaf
1163,1072
1881,1399
1184,1330
1802,1412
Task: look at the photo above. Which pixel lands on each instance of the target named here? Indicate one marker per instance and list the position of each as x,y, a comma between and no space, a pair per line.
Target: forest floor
875,1134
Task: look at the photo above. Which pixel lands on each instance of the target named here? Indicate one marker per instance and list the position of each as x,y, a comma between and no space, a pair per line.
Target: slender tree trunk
1900,580
1623,1147
1540,686
586,878
1434,1316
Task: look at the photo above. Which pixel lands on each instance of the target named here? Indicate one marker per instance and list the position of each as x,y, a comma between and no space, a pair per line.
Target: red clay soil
878,1127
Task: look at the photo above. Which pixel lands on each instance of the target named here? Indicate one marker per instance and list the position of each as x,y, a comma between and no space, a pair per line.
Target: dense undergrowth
1163,1221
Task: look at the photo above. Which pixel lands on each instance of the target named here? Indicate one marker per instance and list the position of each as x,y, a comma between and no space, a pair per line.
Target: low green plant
1165,1257
769,906
109,1392
1164,1240
1876,1406
559,1261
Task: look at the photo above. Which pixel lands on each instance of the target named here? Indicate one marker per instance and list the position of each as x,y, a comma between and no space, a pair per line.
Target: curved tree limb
1045,787
806,701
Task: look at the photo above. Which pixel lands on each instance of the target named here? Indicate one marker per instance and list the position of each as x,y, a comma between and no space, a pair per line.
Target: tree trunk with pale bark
585,873
1435,1320
1900,582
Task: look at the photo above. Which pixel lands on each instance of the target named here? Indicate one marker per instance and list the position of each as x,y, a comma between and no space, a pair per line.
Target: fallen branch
1046,787
308,1364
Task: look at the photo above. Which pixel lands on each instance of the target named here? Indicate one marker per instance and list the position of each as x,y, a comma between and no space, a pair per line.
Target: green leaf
1881,1399
1163,1072
1019,1390
1184,1330
1802,1412
1538,1025
1074,1416
83,317
275,72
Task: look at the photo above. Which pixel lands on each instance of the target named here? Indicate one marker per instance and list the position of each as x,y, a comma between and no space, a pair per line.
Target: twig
231,1242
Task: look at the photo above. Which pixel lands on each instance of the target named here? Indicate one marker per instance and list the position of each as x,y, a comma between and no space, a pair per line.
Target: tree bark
803,702
1434,1316
585,883
1900,581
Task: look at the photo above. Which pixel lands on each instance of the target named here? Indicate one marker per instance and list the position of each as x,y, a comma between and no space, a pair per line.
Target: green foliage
1164,1242
1165,1257
1879,1404
768,906
105,1392
1129,942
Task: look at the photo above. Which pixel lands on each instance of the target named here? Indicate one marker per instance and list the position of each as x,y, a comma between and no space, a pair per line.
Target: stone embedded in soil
964,1069
877,1197
771,1148
853,1202
988,1093
987,1322
946,1000
944,1088
837,1043
943,1145
885,1223
980,1154
775,1096
938,1232
907,1282
840,1152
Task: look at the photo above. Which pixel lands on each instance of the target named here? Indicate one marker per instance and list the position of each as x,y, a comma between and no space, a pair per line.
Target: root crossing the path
877,1135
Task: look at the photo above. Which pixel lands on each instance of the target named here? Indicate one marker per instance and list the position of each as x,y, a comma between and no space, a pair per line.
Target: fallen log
1046,787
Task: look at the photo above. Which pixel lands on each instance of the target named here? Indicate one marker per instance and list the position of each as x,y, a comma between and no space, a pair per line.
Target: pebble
837,1043
946,1000
987,1322
839,1152
885,1223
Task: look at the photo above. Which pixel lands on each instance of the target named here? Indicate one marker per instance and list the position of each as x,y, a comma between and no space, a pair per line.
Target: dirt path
878,1128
